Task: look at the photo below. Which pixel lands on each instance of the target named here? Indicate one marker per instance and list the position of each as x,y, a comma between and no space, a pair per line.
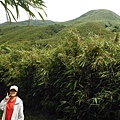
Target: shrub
78,79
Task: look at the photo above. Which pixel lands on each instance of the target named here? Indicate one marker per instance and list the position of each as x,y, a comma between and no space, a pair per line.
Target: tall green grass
76,80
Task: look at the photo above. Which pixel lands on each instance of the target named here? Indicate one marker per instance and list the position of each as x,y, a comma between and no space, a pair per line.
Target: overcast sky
64,10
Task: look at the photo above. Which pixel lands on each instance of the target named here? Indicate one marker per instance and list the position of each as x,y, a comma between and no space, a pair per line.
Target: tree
36,5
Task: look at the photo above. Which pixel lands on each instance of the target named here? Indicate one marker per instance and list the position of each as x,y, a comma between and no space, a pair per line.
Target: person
12,105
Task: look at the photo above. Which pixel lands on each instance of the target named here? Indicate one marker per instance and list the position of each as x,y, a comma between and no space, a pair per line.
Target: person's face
13,93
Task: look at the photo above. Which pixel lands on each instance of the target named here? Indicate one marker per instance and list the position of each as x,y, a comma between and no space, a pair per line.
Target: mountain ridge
96,15
92,15
100,22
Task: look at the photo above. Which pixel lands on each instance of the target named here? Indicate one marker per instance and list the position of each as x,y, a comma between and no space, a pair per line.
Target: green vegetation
100,15
99,22
71,73
24,33
28,23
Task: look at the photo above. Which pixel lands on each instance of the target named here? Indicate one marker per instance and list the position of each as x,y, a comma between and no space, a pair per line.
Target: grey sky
64,10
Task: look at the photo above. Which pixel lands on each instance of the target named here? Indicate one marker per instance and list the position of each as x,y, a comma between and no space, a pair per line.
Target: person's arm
4,101
20,112
2,104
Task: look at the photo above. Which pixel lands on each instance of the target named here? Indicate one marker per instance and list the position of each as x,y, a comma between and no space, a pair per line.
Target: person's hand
7,96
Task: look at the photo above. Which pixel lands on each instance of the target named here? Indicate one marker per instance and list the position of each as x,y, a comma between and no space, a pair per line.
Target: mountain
21,33
100,22
29,23
100,15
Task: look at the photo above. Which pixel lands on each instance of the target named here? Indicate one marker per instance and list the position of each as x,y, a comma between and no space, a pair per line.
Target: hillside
65,71
31,33
100,22
29,23
100,15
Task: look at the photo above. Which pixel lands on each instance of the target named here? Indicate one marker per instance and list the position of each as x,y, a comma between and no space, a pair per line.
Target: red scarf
9,109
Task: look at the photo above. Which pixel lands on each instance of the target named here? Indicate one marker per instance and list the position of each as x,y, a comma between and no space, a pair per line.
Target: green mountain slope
22,33
98,22
29,23
100,15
